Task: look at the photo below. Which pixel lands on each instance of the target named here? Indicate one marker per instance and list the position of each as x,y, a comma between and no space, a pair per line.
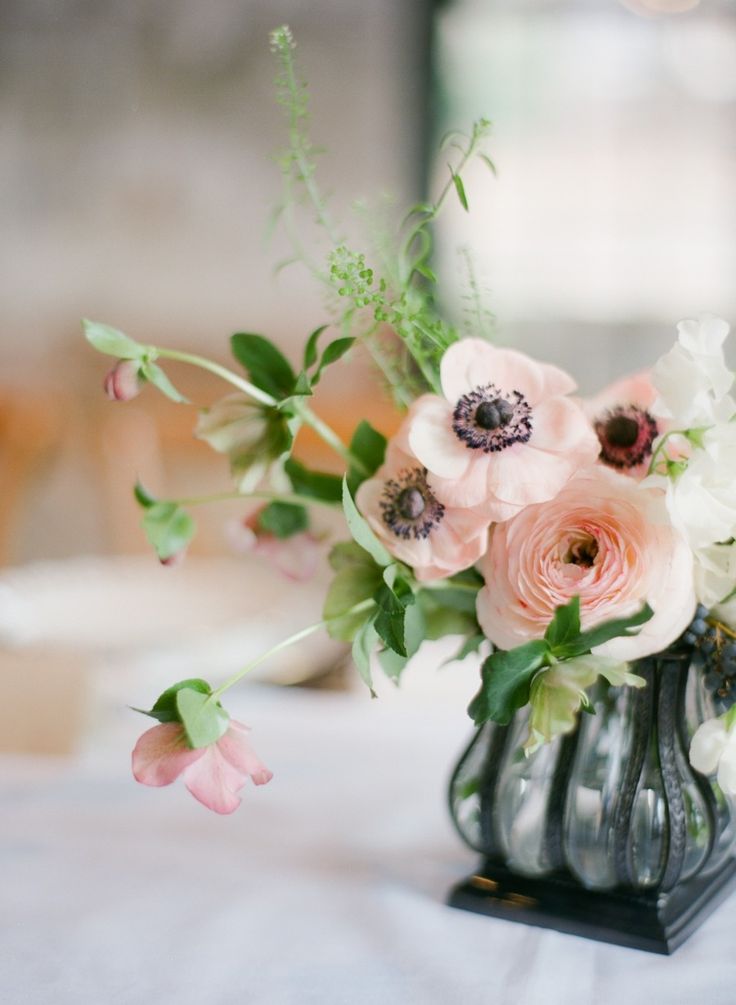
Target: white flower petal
707,746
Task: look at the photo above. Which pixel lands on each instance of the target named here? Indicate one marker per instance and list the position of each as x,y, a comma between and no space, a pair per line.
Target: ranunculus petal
432,439
603,538
162,753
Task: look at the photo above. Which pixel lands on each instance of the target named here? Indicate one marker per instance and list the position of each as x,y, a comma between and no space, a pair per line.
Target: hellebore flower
214,775
252,435
296,556
435,539
504,435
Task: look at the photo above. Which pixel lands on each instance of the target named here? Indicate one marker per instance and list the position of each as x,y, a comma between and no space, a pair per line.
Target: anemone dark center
494,414
626,434
622,431
410,510
410,503
490,420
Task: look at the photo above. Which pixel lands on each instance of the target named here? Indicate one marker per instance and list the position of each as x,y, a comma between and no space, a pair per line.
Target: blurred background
137,178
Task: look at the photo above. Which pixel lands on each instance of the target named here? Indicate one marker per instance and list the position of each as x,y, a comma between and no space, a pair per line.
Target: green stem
304,633
286,497
306,172
320,427
219,371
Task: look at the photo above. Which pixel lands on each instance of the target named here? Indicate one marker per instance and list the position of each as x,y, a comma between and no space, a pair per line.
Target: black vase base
656,923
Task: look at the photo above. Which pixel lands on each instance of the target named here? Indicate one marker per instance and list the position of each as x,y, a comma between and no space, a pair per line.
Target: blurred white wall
136,159
614,213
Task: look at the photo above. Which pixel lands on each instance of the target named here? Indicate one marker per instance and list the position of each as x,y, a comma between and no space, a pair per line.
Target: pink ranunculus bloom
624,424
296,557
604,538
214,775
436,540
504,435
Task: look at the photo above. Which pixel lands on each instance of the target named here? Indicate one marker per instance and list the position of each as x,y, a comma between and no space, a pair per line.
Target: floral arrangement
569,537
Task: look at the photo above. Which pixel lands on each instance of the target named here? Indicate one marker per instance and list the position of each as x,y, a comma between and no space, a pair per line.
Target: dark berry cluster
716,645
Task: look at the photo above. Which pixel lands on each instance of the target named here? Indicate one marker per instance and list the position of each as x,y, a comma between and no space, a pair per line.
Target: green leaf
364,643
604,633
392,664
390,621
165,708
357,578
334,351
441,620
460,189
506,679
204,720
156,376
168,527
283,519
370,446
267,367
310,349
142,496
415,631
565,625
315,484
112,342
362,533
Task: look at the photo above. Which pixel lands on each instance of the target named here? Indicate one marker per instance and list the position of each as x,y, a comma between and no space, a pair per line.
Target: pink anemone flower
504,435
214,775
434,539
623,422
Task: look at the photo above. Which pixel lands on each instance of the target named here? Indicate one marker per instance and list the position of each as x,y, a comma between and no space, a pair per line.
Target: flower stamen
488,420
409,508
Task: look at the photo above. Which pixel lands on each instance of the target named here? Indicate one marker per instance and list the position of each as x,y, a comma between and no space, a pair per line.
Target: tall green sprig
400,292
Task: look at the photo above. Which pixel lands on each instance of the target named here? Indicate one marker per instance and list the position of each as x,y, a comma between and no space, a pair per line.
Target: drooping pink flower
624,424
504,435
435,539
604,538
296,556
214,775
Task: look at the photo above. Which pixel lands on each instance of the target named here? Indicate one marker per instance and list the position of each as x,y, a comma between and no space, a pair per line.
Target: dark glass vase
607,832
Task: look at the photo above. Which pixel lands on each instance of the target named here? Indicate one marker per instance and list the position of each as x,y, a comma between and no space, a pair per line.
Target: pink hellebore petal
214,775
435,539
504,435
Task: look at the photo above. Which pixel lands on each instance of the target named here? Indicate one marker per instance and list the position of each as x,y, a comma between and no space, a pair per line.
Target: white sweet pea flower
692,379
713,752
715,577
701,499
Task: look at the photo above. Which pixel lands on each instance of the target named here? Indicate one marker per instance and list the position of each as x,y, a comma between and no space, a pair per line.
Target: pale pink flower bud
123,382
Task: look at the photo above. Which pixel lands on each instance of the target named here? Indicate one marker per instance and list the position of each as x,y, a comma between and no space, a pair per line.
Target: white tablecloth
325,887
